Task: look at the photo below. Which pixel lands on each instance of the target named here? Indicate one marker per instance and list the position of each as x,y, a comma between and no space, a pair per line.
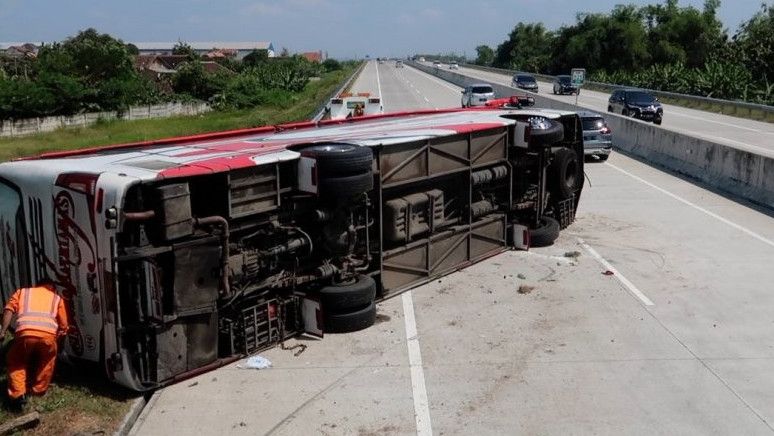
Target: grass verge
77,402
80,400
115,132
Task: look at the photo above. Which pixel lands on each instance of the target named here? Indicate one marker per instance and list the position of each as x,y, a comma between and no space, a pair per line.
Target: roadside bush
247,91
120,93
725,80
191,79
331,65
51,94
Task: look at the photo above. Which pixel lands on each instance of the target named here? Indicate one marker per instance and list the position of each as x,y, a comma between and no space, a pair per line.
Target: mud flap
311,314
307,175
520,236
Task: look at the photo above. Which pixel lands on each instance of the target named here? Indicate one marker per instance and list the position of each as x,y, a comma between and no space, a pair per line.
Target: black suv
636,103
563,85
524,81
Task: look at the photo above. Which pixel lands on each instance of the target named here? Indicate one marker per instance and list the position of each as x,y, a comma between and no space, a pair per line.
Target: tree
683,35
755,44
331,65
94,61
255,57
484,55
191,79
610,42
97,56
185,49
525,49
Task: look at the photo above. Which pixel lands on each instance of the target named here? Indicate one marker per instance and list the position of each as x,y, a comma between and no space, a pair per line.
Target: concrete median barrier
735,171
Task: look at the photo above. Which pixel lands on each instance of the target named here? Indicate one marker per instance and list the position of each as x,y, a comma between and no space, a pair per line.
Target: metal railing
728,107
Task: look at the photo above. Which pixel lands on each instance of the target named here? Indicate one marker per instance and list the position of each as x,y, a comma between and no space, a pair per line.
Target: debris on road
521,276
608,273
255,362
26,421
300,347
525,289
573,254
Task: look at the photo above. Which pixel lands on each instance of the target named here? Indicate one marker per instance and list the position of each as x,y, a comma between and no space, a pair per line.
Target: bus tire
335,160
347,186
564,174
348,296
545,233
351,321
547,137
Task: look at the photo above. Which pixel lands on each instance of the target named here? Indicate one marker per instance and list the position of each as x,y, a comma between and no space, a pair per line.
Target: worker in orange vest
41,319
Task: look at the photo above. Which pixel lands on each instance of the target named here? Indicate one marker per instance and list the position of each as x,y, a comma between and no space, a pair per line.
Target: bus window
13,256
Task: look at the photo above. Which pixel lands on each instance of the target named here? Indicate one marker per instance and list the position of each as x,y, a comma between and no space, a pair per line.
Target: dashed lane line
418,389
621,278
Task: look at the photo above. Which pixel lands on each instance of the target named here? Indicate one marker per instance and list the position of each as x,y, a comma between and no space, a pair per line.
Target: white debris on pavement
255,362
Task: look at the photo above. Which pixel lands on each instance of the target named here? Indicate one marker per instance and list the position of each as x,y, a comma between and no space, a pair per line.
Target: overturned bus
180,255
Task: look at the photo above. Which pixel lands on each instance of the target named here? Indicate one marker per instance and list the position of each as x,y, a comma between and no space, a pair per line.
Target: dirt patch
525,289
380,318
70,422
572,254
383,431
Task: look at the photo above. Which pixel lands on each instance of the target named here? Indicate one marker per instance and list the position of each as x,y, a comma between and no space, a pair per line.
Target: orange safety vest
38,310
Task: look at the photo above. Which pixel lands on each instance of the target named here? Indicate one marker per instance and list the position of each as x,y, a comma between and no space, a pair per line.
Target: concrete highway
750,135
661,323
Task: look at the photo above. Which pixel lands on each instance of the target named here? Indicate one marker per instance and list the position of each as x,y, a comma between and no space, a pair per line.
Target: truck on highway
180,255
349,105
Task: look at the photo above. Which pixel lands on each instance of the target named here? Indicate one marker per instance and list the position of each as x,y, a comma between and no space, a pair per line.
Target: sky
346,29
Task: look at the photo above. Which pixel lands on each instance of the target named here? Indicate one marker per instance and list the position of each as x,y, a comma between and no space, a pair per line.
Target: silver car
477,94
597,136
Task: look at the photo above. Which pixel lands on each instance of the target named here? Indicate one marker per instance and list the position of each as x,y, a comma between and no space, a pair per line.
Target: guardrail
737,172
320,112
755,111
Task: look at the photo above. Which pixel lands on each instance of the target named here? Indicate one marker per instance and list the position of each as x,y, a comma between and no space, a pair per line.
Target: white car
477,94
454,66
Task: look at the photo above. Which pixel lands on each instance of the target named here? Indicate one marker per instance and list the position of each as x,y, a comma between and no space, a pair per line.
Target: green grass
117,132
77,401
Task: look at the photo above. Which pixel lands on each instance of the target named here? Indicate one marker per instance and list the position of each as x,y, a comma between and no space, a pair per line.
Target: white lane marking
736,126
379,84
697,207
624,281
437,80
426,99
421,404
